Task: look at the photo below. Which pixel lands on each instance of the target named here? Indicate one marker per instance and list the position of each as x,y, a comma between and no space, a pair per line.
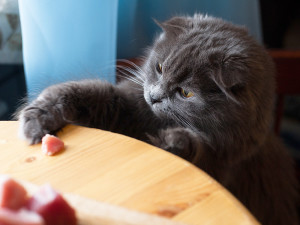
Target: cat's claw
30,130
34,124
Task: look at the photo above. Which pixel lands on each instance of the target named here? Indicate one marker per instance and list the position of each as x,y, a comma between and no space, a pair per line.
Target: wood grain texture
122,171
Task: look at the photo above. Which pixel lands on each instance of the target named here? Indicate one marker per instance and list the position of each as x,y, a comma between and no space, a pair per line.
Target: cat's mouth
153,102
157,105
159,108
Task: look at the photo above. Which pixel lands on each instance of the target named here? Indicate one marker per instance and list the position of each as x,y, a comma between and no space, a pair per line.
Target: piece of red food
12,194
52,207
19,217
51,144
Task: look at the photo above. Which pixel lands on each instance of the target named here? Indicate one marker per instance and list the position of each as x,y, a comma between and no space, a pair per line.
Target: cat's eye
185,93
159,68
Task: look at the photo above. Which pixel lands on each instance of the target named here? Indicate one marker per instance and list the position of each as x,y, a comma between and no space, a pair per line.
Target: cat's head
205,72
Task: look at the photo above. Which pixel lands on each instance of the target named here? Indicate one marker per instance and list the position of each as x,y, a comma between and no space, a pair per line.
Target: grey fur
225,128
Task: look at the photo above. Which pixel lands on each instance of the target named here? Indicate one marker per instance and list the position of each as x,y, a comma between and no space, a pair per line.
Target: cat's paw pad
179,141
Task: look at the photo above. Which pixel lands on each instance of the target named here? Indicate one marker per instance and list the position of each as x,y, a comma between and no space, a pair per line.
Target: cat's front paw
36,122
179,141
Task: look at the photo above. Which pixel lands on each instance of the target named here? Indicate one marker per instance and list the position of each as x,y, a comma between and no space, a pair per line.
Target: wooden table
122,171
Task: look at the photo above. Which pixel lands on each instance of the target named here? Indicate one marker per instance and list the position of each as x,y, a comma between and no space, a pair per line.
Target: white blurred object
10,33
9,6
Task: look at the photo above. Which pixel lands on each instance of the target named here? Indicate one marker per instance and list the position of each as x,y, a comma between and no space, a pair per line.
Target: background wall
12,80
136,28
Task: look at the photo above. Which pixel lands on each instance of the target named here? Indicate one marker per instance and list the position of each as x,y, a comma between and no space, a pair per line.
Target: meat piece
51,144
45,207
19,217
52,207
12,194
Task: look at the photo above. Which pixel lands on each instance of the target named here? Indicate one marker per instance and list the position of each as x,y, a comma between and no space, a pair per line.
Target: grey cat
204,93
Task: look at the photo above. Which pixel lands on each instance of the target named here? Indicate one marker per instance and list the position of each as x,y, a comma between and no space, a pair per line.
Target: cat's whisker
140,88
183,120
134,80
131,73
138,68
135,73
128,77
131,65
131,78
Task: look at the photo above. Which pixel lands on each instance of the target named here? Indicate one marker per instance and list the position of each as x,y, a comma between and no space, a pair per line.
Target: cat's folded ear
172,27
230,74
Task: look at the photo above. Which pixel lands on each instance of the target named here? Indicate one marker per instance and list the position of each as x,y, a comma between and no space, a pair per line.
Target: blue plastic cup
67,40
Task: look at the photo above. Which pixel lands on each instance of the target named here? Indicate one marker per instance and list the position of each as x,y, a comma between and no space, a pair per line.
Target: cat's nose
154,99
156,93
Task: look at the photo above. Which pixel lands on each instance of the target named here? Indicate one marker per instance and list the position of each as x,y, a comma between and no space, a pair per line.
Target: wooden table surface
119,170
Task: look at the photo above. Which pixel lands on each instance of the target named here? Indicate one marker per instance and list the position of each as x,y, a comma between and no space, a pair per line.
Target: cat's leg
90,102
180,141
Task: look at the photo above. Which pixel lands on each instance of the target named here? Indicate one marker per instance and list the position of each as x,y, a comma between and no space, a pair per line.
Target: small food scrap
52,207
19,217
51,144
12,194
45,207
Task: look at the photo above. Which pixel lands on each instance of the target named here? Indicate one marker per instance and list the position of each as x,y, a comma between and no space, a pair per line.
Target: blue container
67,40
